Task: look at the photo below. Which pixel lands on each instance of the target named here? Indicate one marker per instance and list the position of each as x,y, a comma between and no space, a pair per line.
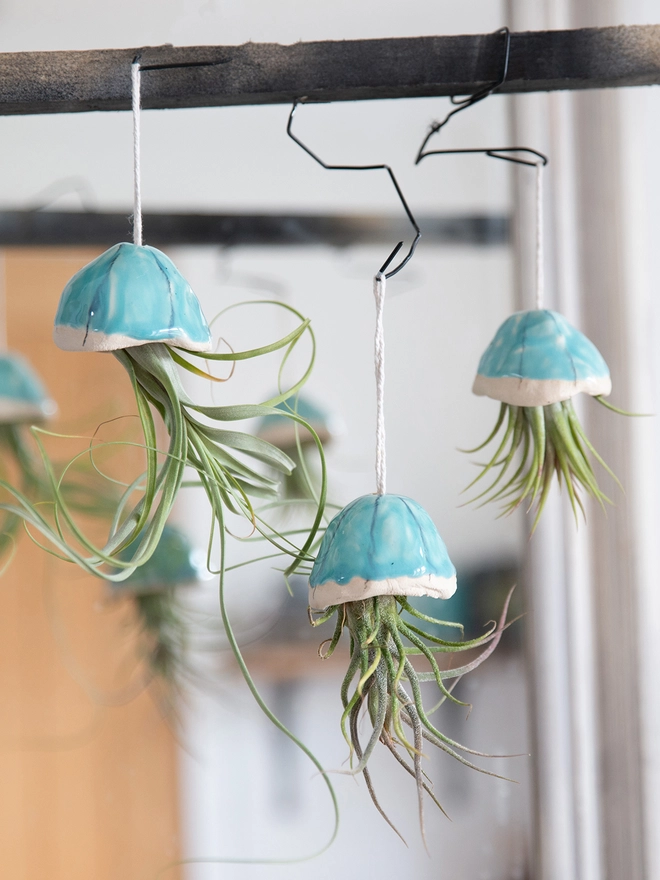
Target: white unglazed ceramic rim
17,411
537,392
332,593
71,339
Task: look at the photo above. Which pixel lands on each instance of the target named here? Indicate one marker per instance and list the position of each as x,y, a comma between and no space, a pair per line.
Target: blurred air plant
152,588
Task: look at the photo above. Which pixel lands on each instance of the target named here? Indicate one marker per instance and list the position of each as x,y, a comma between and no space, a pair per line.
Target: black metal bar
96,228
267,73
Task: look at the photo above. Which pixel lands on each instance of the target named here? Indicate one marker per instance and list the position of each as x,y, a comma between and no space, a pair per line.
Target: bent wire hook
381,167
479,95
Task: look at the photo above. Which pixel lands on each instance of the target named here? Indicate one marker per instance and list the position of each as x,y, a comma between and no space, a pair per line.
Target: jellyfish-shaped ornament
132,301
534,365
379,551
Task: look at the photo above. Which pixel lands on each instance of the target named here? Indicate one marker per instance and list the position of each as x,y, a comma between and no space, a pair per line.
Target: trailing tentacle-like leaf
132,301
535,364
378,551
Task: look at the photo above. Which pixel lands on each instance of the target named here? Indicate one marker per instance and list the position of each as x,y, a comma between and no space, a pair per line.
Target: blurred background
99,779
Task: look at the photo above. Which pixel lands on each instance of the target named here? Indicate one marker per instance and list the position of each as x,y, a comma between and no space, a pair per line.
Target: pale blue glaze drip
379,537
541,344
172,564
18,381
133,291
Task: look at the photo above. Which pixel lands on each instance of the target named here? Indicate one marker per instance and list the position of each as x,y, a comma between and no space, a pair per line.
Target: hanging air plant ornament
152,587
536,363
378,551
23,401
133,302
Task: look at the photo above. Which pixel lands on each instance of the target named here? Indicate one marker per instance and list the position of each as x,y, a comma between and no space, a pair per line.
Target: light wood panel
88,787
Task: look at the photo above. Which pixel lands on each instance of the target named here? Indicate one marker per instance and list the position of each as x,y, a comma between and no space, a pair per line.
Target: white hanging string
540,280
137,194
379,364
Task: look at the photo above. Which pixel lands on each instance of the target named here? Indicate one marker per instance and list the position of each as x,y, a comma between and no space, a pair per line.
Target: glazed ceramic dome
537,358
380,545
23,398
130,295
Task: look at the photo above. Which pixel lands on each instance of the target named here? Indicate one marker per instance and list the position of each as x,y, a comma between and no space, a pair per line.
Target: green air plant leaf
539,442
534,365
378,551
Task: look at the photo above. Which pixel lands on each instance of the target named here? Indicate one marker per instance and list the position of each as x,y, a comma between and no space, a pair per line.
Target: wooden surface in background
89,788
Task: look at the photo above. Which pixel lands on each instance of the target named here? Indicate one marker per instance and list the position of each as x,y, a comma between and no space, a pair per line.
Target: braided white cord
137,194
540,280
379,363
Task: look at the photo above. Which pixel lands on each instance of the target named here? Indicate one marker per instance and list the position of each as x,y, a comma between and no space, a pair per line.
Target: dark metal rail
267,73
96,228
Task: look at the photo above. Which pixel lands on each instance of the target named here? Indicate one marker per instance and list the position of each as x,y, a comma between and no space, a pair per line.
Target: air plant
375,554
536,363
133,302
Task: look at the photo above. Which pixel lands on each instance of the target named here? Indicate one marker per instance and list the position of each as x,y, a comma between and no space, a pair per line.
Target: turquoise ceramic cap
130,295
380,545
281,430
22,396
537,358
174,563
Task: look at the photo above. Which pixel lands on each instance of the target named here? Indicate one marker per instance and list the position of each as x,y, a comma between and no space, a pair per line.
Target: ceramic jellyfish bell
130,295
22,396
537,358
174,563
380,545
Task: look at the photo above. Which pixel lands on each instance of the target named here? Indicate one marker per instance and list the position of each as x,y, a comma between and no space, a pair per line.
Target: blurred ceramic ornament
131,295
295,440
174,563
380,545
152,587
281,431
534,365
23,397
